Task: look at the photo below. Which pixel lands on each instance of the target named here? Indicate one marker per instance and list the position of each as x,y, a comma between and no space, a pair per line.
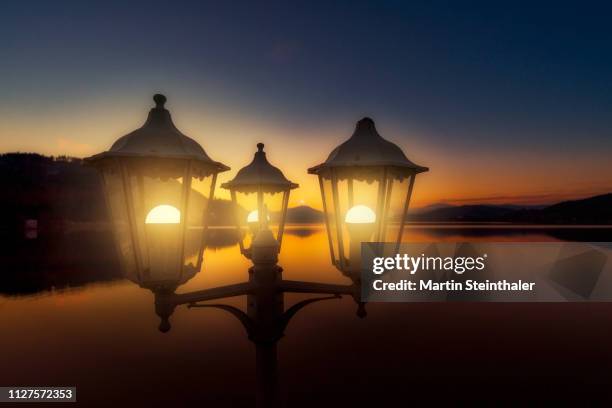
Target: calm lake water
67,318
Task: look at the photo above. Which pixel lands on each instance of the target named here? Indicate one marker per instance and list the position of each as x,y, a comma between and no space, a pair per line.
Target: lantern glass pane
330,219
158,215
118,216
354,200
196,225
249,208
361,213
395,200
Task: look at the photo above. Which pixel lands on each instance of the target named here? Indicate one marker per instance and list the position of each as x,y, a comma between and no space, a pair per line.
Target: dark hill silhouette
593,210
48,189
222,213
428,208
304,215
55,190
464,213
590,211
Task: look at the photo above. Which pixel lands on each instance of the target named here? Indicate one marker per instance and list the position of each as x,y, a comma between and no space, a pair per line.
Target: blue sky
499,78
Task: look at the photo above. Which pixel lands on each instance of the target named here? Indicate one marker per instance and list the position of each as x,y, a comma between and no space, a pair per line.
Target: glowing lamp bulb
254,217
163,214
360,214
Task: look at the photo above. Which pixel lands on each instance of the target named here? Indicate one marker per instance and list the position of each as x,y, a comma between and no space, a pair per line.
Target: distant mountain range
593,210
54,190
222,212
589,211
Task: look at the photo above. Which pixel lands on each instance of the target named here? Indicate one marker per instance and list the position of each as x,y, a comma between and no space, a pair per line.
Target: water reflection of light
114,321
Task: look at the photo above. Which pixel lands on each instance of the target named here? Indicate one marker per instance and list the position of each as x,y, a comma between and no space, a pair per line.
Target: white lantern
158,183
366,184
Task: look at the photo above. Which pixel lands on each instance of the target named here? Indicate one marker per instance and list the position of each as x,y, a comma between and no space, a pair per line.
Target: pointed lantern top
259,175
367,148
158,138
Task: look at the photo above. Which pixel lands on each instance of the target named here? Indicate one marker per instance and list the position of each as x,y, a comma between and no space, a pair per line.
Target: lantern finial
160,100
365,123
260,147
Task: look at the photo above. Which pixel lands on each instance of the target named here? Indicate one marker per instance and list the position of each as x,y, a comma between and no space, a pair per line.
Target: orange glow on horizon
472,176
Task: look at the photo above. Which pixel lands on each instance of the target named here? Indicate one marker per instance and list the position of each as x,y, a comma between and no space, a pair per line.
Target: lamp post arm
239,289
316,287
246,321
289,313
246,288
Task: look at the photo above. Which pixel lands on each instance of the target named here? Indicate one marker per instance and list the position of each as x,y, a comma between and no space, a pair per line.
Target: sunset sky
505,104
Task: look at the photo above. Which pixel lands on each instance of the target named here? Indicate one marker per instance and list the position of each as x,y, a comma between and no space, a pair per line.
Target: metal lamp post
366,184
158,184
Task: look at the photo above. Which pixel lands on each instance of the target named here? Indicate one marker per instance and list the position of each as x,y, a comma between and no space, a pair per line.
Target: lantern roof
159,138
259,174
367,148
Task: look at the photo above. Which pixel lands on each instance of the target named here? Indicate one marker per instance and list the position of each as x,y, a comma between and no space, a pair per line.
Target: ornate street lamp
158,183
366,184
260,194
